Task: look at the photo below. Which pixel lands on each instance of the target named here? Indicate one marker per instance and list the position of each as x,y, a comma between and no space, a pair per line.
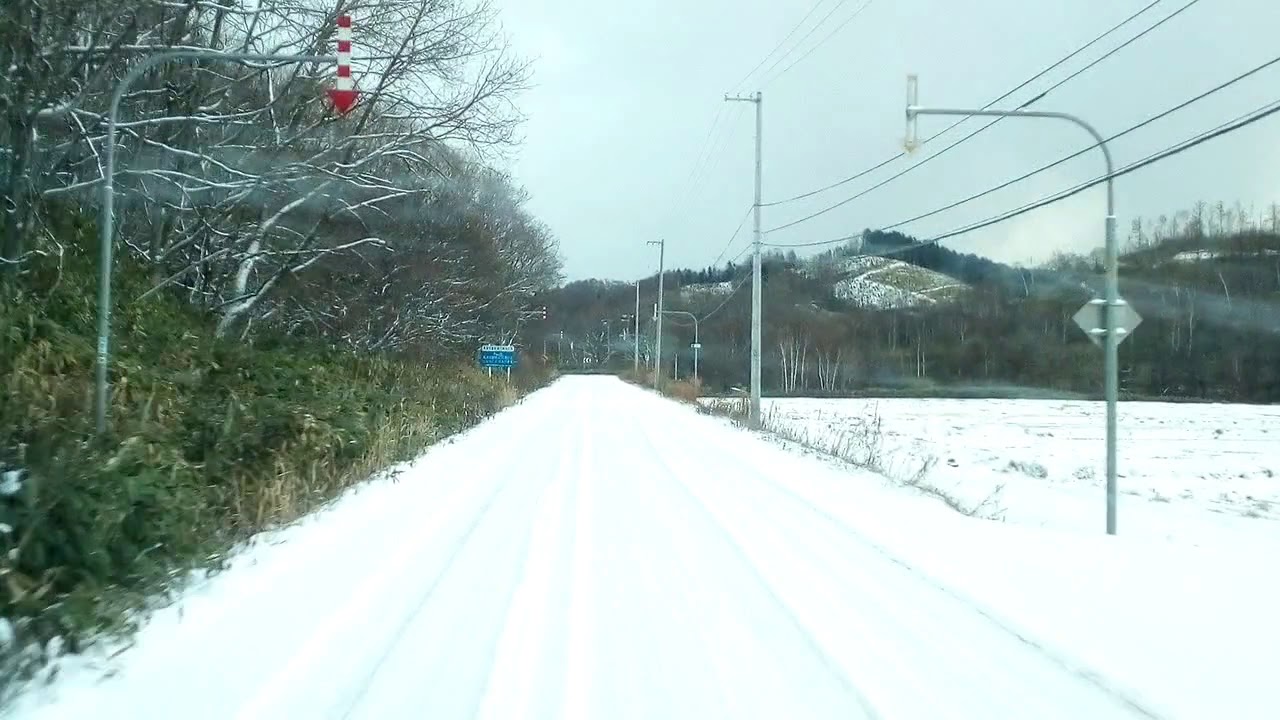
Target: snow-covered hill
706,290
880,282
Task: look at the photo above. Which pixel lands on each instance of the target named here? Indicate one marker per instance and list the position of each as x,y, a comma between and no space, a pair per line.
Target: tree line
297,294
241,190
1206,282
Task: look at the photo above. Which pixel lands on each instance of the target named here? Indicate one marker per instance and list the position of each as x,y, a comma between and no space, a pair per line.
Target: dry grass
861,444
209,442
683,390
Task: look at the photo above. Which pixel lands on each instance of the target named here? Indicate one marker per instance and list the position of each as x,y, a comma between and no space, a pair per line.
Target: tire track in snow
903,629
420,613
360,603
296,556
1062,661
684,593
850,687
528,639
580,662
393,554
862,641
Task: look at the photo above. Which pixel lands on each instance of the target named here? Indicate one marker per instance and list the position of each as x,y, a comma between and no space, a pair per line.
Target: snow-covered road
594,552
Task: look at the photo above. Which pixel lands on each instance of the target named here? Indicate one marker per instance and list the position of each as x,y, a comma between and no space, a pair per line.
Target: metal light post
657,361
756,297
1115,308
637,319
107,219
696,345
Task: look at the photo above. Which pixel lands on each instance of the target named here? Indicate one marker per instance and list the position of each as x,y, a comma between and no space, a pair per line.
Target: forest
297,294
1206,282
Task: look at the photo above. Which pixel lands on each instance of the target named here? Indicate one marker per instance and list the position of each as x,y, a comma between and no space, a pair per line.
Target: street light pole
696,344
657,349
106,220
1111,370
756,295
637,319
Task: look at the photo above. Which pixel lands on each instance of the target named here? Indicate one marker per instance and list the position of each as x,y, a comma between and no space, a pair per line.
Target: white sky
626,93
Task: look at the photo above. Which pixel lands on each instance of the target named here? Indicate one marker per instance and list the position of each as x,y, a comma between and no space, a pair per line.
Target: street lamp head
911,141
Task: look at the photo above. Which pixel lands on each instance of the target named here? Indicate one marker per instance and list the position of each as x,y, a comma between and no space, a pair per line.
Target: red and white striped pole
344,94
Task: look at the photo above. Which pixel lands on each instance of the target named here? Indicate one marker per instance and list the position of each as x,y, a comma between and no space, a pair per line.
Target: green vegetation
298,294
210,441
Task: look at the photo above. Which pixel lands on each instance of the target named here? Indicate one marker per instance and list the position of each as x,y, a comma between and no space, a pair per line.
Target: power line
727,245
724,302
821,42
1114,50
980,130
714,157
778,47
1240,122
708,149
732,293
952,126
1180,106
741,252
1231,126
698,159
812,30
815,243
706,161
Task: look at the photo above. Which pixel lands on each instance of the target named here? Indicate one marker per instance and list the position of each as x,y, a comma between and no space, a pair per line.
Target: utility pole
637,319
657,345
756,297
1117,319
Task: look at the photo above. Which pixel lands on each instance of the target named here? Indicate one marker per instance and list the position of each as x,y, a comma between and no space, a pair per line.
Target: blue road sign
497,356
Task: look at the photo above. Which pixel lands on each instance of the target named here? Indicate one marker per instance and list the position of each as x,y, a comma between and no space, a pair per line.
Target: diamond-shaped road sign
1092,319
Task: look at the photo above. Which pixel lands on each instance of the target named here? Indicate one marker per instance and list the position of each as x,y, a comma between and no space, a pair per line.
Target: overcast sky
626,93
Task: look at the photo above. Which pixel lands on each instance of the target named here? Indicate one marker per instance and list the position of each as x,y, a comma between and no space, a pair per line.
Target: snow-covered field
1190,472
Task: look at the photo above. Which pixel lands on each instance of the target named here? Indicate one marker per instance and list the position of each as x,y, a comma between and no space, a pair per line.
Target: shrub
684,390
208,443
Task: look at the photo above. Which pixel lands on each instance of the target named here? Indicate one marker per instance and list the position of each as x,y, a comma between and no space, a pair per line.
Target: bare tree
238,186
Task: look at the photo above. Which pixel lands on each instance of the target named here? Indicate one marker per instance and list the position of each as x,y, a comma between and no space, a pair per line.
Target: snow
1197,255
879,282
720,288
867,292
10,482
1190,472
1192,255
600,552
